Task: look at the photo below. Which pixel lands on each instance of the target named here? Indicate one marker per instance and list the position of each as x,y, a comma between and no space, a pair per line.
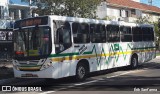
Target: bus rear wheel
81,72
134,62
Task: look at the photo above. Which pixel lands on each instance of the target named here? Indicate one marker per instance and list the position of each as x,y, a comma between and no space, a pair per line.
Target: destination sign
31,22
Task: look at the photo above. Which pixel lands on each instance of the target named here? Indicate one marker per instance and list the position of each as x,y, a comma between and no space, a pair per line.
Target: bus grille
29,68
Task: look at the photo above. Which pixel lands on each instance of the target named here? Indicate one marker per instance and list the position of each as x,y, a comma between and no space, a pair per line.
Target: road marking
87,82
47,92
151,67
119,74
132,71
79,84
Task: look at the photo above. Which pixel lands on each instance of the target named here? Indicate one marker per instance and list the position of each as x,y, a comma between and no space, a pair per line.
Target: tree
157,33
78,8
144,19
32,2
110,18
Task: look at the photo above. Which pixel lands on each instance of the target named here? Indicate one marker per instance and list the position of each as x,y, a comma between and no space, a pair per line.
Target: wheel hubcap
134,62
81,72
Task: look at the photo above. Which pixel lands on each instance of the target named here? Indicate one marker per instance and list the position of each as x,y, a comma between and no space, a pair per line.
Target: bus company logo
82,49
20,89
6,88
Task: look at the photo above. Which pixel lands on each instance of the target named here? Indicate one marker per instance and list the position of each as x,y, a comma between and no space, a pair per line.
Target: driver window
63,36
64,33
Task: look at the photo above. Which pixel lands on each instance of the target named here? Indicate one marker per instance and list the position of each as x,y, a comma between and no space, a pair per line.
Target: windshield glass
31,42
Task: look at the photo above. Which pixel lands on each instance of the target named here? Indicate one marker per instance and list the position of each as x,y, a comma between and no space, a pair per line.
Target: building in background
127,10
10,11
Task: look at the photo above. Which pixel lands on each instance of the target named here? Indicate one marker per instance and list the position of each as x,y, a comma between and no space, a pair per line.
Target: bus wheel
81,72
134,62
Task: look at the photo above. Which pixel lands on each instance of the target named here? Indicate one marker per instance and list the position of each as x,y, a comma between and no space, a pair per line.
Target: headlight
47,64
15,64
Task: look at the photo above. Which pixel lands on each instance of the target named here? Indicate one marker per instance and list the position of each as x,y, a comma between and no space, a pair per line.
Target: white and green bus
57,46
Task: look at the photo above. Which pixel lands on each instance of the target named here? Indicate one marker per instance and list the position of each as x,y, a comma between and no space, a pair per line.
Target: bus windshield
31,42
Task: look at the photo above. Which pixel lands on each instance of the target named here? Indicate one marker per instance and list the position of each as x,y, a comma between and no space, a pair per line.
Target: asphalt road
145,78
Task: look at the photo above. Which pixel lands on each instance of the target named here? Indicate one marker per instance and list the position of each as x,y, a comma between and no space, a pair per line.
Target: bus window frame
60,25
109,33
103,32
138,36
150,34
78,33
124,34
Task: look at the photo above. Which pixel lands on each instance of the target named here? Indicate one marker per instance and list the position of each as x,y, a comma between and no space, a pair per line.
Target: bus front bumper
45,73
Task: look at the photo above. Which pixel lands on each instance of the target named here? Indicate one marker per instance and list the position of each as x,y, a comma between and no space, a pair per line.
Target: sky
155,2
18,2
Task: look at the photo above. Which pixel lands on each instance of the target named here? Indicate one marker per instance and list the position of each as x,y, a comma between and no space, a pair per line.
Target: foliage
78,8
147,20
157,33
144,19
110,18
157,54
157,30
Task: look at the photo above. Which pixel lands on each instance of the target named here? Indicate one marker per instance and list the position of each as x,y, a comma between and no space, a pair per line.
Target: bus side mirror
159,23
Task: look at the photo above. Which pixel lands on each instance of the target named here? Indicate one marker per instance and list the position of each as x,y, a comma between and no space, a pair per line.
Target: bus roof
87,20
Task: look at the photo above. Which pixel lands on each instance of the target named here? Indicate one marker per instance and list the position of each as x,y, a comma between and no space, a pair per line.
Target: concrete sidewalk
7,64
6,70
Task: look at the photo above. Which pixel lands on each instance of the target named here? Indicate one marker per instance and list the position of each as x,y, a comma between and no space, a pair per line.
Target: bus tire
134,62
81,72
49,79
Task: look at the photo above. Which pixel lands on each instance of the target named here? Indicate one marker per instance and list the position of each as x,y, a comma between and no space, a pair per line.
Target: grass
158,54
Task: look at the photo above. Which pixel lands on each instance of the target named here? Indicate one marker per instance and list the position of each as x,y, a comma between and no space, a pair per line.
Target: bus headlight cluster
15,64
46,65
16,67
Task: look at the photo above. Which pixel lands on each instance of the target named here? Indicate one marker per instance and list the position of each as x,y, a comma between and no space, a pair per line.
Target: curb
157,56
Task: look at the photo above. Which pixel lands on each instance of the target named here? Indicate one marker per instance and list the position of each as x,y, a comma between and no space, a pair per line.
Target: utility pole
150,2
158,36
30,8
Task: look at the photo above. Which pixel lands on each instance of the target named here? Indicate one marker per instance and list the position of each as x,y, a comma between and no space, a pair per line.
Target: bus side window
75,32
81,33
98,33
113,33
137,34
126,35
63,36
152,34
55,32
146,34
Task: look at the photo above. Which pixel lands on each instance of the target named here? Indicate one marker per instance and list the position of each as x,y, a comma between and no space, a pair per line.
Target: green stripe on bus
72,54
94,50
143,48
